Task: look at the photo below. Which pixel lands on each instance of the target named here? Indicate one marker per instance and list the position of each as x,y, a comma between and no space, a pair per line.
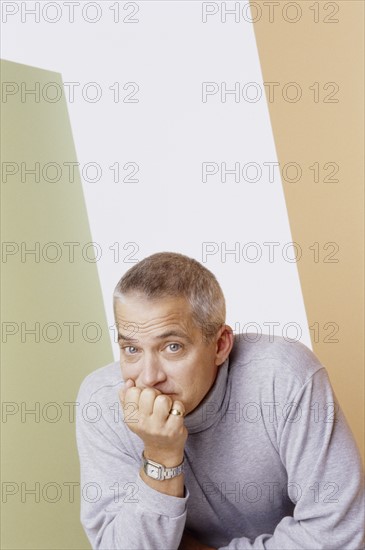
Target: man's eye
130,349
174,347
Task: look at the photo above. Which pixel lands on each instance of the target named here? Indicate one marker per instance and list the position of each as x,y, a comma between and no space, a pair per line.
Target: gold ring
176,412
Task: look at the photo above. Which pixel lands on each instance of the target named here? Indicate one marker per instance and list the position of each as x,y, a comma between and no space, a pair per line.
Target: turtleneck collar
213,405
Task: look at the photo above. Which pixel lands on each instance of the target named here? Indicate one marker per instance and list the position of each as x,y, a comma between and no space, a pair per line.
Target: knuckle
163,398
149,391
131,394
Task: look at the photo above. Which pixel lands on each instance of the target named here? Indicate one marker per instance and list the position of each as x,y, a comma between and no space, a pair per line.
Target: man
200,439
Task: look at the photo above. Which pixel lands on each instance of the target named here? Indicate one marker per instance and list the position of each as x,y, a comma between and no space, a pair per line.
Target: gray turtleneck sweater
270,461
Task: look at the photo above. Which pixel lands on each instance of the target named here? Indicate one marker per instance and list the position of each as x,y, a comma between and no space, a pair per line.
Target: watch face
152,471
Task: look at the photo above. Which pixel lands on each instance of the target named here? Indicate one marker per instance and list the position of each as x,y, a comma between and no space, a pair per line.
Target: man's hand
146,413
188,542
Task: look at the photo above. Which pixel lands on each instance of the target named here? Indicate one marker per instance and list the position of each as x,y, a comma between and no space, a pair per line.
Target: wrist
170,460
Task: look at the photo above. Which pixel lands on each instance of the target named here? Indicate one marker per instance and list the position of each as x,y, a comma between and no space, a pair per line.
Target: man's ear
224,344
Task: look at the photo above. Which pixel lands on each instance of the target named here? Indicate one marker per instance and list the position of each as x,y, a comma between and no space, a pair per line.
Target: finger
132,396
123,392
162,406
147,400
126,384
178,405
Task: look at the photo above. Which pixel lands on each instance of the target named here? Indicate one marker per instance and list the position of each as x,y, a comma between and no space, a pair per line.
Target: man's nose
152,372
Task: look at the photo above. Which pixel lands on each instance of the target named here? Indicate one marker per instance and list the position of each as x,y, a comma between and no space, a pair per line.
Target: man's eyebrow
177,333
166,334
126,338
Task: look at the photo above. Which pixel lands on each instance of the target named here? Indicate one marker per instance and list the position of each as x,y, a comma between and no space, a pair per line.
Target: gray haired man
216,441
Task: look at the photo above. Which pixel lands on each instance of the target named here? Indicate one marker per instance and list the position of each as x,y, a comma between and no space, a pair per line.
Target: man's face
162,348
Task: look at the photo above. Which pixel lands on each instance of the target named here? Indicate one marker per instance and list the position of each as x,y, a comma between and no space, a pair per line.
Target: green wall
35,451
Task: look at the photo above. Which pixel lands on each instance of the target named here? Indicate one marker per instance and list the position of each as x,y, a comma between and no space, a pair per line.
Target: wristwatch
159,471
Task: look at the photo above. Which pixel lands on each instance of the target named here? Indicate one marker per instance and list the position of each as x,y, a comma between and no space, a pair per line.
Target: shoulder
270,355
100,382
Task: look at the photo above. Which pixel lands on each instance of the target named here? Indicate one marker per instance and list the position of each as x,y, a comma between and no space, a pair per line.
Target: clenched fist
147,414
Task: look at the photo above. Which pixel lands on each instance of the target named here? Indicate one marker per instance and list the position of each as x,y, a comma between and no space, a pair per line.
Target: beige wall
318,130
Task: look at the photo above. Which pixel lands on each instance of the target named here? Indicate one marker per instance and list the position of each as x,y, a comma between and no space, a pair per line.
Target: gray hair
167,274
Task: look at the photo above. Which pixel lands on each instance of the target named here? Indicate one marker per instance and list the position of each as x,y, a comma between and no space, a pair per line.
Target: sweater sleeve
118,509
325,476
